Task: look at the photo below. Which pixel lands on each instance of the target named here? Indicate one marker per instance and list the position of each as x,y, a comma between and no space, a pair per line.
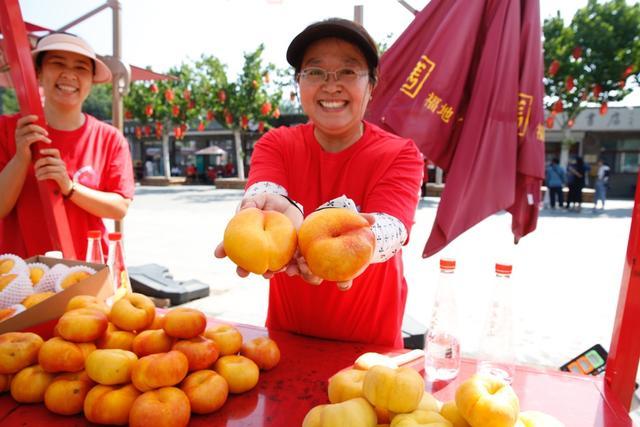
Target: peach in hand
240,372
207,391
133,312
260,241
262,350
107,404
58,355
66,394
110,366
30,384
336,243
201,352
159,370
18,350
167,406
184,322
151,341
82,325
487,400
227,338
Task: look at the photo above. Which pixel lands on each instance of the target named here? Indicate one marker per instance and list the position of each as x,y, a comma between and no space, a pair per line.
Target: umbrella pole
624,352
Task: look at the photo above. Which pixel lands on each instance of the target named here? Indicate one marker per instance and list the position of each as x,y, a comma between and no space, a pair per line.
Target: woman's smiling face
66,78
336,108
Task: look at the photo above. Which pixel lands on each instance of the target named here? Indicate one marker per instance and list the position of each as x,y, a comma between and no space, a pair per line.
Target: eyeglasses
319,75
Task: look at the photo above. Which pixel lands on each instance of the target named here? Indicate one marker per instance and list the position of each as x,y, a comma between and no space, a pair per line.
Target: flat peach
115,338
110,366
262,350
108,404
207,391
157,322
87,301
59,355
240,372
35,299
66,394
159,370
18,350
30,384
184,322
151,341
133,312
82,325
201,352
227,338
167,406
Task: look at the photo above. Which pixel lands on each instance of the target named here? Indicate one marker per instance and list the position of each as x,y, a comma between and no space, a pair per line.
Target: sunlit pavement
566,274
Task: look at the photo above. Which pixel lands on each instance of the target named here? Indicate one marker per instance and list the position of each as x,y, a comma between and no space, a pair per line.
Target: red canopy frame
18,52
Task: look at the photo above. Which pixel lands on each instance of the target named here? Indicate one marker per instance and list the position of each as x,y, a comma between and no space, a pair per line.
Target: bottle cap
447,264
94,234
503,268
115,236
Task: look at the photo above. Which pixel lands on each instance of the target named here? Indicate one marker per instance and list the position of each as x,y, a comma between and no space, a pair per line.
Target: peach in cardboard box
99,285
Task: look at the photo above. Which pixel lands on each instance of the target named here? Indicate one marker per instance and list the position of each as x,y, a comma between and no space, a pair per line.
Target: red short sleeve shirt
382,173
96,155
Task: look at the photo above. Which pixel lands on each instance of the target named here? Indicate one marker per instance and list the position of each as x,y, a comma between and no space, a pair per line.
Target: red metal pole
18,53
622,362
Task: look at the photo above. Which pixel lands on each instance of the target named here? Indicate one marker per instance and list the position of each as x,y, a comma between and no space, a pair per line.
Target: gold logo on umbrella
418,76
524,112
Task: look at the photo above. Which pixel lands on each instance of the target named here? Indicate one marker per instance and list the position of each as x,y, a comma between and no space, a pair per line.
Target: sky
162,34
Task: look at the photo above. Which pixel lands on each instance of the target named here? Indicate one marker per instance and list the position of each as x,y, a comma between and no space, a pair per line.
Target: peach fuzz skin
106,404
82,325
207,391
66,394
133,312
59,355
18,350
167,406
184,323
159,370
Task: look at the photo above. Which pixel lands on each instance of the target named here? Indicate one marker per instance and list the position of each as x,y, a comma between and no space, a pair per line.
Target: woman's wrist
70,190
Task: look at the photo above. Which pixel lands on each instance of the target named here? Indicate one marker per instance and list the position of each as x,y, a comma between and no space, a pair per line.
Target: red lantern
627,71
175,111
153,88
261,127
570,123
147,130
191,105
549,122
228,118
558,107
222,96
169,95
158,129
200,126
266,77
265,109
138,132
597,89
186,94
553,68
604,108
276,113
577,52
569,83
184,128
210,115
128,115
244,122
148,110
177,132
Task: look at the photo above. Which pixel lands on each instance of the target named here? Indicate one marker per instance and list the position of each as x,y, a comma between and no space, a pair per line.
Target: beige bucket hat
71,43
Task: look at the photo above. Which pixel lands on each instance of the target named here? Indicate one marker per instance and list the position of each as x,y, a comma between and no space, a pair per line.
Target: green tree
8,101
98,103
595,59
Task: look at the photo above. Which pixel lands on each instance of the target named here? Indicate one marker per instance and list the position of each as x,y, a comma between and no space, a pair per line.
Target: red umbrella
530,166
474,49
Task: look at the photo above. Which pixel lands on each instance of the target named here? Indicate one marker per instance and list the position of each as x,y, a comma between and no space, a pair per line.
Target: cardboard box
99,285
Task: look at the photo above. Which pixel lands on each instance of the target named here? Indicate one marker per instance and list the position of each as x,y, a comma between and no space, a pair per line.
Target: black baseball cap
333,27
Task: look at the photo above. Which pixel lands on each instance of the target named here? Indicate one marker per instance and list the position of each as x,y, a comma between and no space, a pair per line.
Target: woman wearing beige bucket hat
88,160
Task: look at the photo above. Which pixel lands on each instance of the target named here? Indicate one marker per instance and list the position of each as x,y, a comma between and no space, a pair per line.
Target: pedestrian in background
601,185
555,179
575,180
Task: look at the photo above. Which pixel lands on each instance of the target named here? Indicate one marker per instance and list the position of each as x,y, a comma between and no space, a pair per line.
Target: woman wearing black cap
338,159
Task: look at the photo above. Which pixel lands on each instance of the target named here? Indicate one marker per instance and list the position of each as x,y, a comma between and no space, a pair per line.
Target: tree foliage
596,58
98,103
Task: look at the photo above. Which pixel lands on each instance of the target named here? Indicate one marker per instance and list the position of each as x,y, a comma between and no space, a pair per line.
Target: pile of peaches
129,365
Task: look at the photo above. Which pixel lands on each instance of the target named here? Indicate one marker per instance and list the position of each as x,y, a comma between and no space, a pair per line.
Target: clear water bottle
497,351
119,275
442,346
94,247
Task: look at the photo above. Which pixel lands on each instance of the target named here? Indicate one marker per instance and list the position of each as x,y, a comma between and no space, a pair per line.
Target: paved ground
566,275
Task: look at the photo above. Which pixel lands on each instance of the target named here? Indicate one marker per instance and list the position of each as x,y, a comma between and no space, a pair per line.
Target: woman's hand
27,133
51,166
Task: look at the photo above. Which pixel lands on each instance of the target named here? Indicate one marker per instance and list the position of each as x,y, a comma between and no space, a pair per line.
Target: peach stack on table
25,284
128,365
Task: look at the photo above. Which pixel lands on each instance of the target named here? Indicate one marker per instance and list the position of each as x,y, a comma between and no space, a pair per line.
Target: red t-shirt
382,173
96,155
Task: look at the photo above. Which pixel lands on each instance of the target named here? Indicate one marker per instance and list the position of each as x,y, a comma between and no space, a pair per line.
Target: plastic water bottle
119,275
497,352
94,247
442,346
